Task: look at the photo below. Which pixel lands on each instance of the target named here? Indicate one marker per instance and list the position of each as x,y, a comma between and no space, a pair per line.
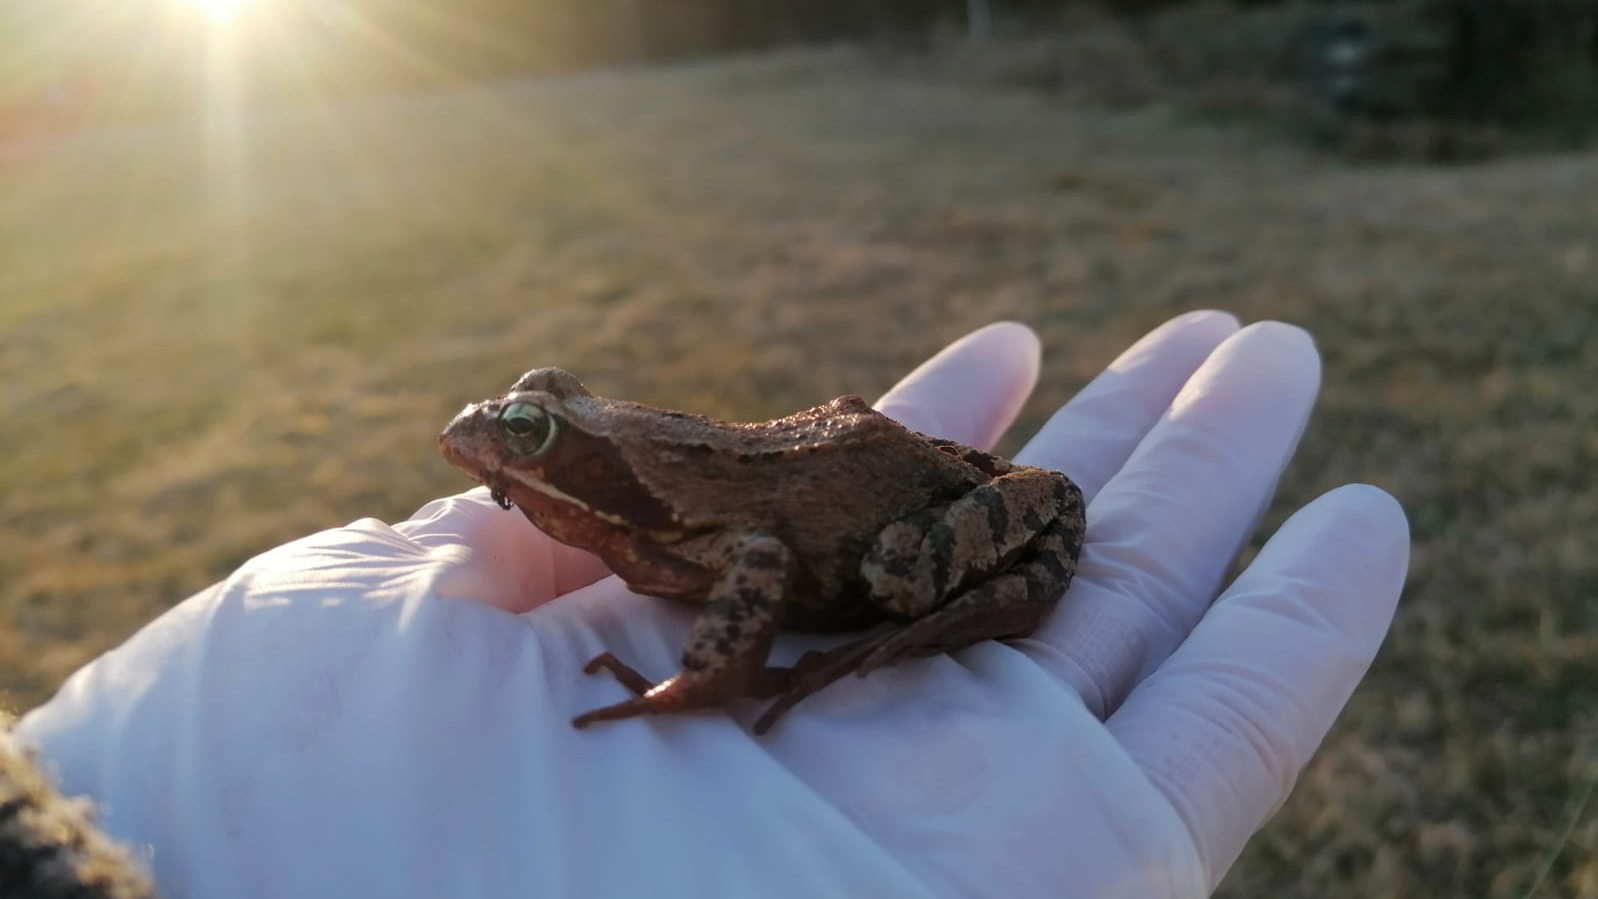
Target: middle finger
1166,528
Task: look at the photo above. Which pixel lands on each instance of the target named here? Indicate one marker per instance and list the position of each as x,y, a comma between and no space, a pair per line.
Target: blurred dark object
1452,79
1337,54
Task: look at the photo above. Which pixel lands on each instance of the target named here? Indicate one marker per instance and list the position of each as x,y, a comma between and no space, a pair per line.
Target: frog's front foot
626,674
688,690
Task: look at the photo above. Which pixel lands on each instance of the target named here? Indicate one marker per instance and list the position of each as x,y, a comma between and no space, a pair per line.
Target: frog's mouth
500,497
498,488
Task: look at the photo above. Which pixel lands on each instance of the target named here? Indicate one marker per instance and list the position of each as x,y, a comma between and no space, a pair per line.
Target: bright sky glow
217,9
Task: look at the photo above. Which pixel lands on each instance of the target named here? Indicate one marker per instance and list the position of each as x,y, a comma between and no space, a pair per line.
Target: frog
835,519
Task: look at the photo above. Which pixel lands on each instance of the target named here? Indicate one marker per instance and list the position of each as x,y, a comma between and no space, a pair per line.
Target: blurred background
255,253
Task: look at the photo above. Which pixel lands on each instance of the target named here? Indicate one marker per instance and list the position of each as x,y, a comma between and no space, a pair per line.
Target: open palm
320,724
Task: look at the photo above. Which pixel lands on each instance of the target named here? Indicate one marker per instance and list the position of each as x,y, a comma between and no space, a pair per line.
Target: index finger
971,390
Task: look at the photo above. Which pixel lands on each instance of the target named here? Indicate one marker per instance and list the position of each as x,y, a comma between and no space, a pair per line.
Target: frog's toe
620,710
815,670
909,640
624,673
675,695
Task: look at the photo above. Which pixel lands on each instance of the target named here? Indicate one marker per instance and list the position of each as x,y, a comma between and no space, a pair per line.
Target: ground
211,342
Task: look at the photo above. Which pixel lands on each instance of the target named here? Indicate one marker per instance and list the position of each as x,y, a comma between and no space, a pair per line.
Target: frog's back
835,467
825,481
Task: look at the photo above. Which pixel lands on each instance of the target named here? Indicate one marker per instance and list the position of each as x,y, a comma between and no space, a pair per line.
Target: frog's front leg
725,656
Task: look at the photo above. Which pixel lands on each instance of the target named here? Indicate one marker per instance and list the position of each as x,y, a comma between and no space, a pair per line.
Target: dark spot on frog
999,514
941,537
1037,587
763,559
1052,562
895,563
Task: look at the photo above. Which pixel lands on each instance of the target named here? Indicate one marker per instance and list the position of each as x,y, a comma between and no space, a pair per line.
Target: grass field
210,344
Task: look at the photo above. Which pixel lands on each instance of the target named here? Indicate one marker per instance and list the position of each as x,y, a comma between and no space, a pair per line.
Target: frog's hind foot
685,692
814,671
1011,605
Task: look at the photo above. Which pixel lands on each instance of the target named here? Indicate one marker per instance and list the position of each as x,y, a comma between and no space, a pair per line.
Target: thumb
499,557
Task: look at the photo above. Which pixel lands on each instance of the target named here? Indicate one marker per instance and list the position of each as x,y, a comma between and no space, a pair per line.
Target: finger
503,560
1224,726
1165,529
1091,436
972,390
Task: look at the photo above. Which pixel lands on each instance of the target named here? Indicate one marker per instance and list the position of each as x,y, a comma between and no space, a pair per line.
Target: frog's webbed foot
725,657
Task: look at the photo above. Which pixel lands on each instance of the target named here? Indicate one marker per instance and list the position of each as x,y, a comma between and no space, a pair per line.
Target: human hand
320,724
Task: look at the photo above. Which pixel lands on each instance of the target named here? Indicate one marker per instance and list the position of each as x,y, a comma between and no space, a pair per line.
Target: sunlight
217,9
226,151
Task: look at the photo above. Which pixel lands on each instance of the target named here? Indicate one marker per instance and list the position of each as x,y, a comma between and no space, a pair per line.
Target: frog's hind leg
725,657
1010,604
919,562
936,569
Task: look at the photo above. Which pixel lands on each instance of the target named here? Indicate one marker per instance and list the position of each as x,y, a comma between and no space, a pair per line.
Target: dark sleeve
49,846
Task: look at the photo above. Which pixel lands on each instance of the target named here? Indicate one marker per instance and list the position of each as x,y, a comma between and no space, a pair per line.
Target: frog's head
545,446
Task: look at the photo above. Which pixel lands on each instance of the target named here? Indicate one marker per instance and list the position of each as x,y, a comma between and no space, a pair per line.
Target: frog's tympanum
833,519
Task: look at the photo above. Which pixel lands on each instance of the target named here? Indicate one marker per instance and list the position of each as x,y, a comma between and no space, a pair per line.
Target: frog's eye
531,428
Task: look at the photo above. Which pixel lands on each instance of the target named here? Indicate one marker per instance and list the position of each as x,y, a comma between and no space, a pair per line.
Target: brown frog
832,519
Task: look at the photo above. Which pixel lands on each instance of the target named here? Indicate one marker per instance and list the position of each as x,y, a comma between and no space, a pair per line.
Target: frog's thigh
1010,604
920,561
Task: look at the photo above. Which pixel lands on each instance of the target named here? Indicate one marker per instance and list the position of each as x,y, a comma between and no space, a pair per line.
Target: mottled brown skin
832,519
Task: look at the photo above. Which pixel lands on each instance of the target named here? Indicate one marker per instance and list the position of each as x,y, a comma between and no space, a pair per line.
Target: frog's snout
465,438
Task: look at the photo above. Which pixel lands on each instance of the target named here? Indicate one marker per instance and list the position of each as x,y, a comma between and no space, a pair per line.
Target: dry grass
190,375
